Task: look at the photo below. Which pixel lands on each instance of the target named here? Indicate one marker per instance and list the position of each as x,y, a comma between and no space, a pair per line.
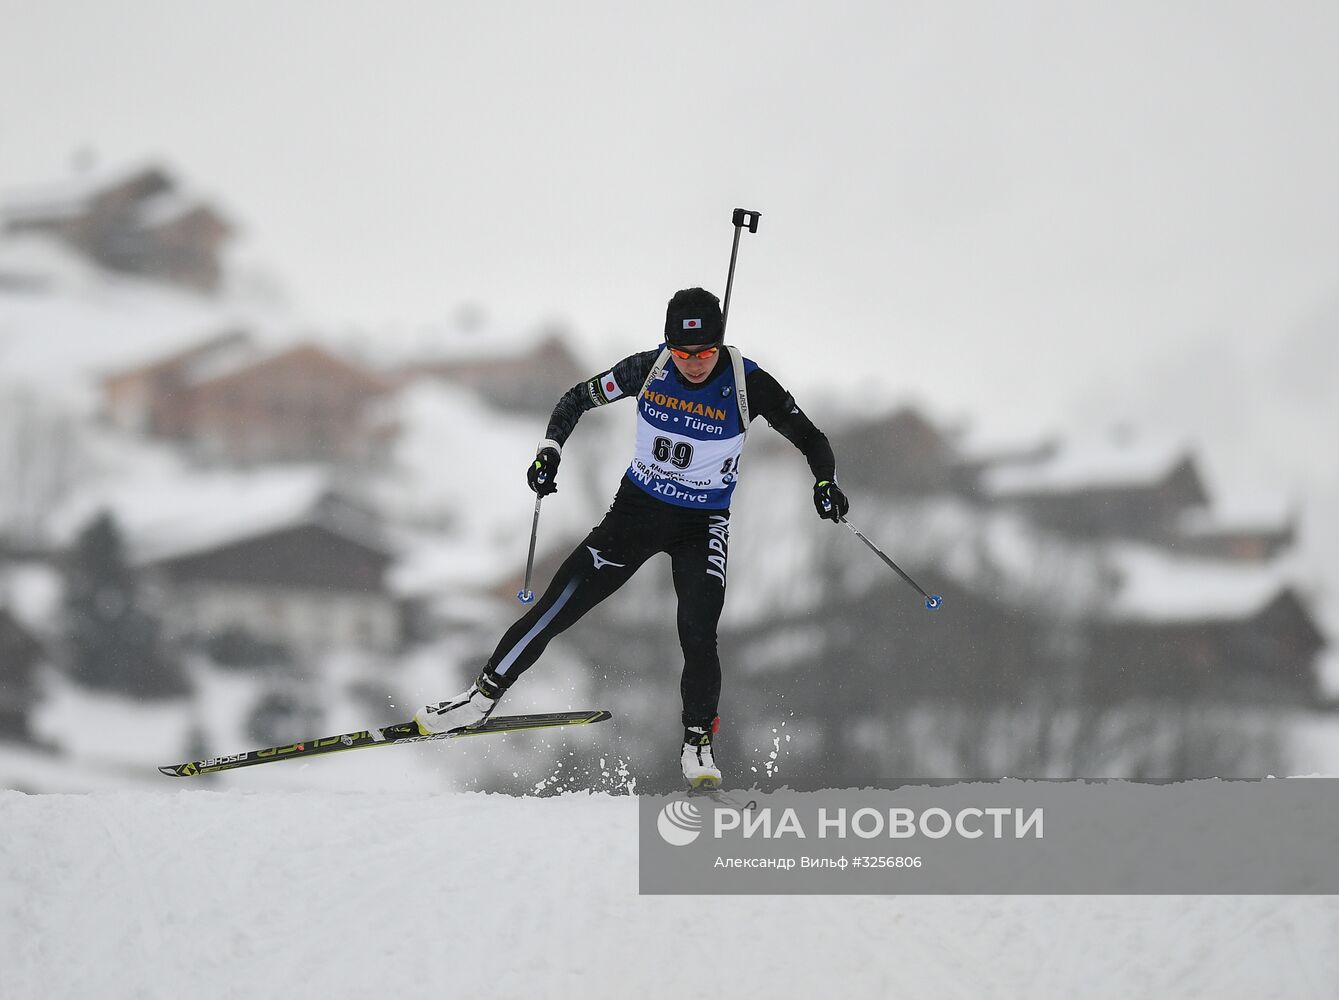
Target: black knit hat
693,317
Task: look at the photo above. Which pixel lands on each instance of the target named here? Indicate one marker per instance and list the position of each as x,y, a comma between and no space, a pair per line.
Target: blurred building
282,556
1206,629
231,401
1184,596
519,374
308,574
136,220
1255,534
1102,489
154,397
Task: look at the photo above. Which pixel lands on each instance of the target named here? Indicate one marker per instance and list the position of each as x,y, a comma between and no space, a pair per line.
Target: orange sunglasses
704,354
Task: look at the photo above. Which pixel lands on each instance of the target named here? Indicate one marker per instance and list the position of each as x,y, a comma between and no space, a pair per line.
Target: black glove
830,501
543,471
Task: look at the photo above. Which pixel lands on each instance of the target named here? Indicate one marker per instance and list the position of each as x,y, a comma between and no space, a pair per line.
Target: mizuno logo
601,561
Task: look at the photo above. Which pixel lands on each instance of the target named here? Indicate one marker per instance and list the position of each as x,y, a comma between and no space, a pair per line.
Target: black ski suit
638,525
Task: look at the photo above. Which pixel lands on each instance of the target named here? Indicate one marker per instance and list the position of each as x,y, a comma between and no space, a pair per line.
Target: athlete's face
693,368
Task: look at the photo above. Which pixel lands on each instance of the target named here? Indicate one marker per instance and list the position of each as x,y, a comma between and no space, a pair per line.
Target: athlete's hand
543,472
830,501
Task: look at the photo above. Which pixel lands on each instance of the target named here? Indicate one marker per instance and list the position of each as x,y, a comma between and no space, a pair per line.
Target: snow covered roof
155,199
1099,464
456,343
70,196
992,550
37,260
1156,586
224,364
167,207
231,352
192,359
174,516
1237,513
982,443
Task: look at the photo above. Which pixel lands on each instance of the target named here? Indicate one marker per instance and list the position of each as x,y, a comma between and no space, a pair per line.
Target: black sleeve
768,399
628,376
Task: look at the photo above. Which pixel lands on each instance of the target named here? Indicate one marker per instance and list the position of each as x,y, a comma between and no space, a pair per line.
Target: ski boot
468,709
699,764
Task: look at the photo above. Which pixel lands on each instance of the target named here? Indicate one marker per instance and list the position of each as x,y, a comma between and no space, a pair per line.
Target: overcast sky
991,206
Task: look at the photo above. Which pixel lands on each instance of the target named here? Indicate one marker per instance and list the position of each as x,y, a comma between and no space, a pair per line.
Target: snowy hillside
64,322
64,325
313,895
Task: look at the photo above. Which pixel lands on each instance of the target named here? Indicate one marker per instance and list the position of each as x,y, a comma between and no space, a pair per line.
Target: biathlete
695,401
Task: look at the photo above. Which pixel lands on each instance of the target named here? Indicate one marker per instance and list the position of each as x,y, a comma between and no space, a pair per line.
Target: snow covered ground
203,894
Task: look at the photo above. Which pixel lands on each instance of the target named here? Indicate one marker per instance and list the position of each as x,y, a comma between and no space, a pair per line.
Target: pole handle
746,217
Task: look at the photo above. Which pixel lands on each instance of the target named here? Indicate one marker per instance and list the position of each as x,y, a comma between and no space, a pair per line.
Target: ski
399,733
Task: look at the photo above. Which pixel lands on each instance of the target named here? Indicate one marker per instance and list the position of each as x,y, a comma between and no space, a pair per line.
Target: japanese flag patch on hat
693,317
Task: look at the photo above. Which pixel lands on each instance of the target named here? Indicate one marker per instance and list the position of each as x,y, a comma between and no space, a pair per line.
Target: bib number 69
680,454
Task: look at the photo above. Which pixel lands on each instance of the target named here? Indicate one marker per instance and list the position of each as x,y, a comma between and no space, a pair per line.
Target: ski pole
933,602
526,595
742,217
